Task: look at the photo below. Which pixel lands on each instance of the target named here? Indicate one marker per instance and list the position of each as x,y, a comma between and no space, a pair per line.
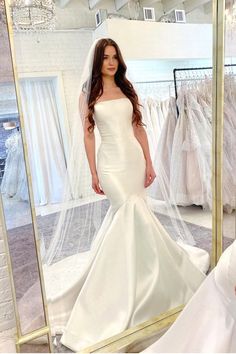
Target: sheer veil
83,211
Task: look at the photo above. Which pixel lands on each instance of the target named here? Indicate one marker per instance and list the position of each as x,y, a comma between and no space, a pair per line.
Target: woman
107,89
136,271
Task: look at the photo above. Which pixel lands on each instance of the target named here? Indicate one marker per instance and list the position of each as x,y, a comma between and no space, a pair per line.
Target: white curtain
44,140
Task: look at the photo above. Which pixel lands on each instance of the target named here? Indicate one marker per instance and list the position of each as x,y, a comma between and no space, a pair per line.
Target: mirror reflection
14,189
120,164
214,303
38,346
229,156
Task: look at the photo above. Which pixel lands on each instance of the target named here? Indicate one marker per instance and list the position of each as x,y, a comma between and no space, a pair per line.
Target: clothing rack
176,71
153,82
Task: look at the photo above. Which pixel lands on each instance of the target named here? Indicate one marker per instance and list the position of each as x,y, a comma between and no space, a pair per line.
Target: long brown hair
121,81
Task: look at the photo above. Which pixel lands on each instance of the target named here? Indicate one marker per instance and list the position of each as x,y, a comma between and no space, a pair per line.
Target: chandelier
33,15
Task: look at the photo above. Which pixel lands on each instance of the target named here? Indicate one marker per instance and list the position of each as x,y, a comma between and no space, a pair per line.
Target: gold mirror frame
154,325
218,118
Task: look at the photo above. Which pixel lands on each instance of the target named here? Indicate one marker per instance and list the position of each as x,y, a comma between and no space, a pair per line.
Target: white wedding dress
135,270
213,309
14,182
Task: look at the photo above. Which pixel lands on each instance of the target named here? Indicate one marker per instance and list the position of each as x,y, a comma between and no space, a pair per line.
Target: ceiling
168,5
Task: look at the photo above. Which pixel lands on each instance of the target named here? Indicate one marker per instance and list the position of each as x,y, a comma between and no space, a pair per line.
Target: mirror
15,194
102,264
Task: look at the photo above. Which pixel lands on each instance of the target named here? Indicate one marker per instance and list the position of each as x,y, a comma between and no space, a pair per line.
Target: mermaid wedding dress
136,271
213,307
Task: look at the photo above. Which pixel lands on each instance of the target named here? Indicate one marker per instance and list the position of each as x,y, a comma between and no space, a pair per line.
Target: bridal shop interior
59,272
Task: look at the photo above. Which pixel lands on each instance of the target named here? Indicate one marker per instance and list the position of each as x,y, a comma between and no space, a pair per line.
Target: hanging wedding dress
14,182
136,270
190,158
10,177
229,157
200,189
190,170
213,308
163,153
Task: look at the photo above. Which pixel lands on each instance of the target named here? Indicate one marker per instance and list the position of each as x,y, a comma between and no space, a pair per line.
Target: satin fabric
136,270
213,309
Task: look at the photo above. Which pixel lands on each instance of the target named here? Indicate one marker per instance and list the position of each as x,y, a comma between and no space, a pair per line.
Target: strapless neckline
115,99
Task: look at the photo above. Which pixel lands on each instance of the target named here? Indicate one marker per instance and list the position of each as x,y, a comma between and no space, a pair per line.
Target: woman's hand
150,175
95,184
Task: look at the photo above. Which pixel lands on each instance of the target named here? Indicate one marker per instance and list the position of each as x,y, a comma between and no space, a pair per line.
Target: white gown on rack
14,182
163,152
213,309
136,271
190,168
12,168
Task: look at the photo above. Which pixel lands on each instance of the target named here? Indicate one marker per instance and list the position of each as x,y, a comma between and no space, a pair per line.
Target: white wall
155,40
156,70
60,51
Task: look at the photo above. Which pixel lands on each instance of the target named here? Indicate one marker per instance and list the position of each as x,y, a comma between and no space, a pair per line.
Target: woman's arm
89,142
141,136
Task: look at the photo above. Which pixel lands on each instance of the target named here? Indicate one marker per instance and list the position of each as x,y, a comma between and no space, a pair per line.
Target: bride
136,271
